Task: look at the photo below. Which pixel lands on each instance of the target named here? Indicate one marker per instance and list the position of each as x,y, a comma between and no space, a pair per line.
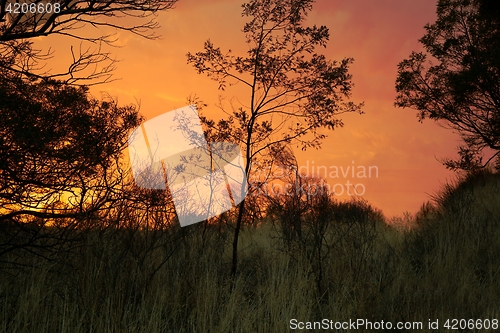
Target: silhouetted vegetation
344,263
22,22
457,79
61,165
83,249
293,93
61,160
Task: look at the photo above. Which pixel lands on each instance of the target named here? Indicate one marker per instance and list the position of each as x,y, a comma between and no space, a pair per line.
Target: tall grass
447,266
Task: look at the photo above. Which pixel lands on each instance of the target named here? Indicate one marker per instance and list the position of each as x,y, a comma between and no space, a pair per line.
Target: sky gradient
378,35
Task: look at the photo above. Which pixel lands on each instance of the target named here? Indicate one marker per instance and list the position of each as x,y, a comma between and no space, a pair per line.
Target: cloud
378,34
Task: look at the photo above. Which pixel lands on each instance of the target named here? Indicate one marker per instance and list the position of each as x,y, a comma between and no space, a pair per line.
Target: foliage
293,92
61,151
461,85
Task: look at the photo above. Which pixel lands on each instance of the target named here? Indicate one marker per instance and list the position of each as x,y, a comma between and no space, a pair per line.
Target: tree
61,151
461,86
20,23
61,147
293,92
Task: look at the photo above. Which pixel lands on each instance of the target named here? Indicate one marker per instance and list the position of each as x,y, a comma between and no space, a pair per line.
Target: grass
446,266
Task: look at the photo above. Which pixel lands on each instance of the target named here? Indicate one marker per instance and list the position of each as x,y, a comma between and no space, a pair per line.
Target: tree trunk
234,266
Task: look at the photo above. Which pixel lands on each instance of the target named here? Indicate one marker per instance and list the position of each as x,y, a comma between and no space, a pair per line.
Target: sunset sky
377,34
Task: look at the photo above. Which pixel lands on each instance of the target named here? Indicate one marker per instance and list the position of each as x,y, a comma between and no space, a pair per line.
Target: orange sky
377,34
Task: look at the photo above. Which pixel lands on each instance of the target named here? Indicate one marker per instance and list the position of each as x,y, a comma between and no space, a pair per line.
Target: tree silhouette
293,92
461,85
61,151
66,17
61,148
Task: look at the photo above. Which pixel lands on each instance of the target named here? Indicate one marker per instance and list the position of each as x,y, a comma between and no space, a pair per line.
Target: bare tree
293,92
21,22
